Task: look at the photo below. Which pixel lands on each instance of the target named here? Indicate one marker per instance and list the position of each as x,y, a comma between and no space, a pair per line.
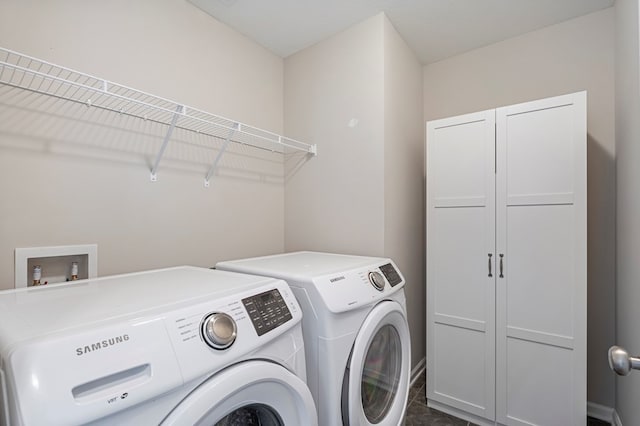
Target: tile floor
418,414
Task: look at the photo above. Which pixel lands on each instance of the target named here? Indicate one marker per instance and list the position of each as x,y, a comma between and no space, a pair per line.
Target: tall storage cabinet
506,264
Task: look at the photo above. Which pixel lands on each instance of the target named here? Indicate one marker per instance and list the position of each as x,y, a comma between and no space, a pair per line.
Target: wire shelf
38,76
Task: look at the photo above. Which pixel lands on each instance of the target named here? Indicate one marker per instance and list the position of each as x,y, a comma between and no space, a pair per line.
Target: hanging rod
39,76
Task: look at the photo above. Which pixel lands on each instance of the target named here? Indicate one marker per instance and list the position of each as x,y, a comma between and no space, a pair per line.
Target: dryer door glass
375,387
381,374
254,414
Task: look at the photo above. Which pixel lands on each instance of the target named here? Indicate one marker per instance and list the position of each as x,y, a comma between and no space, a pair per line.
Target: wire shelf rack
35,75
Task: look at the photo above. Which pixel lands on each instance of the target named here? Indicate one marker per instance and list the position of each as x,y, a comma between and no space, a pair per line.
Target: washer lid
253,389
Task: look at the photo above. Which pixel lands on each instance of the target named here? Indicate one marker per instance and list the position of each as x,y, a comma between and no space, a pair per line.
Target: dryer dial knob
377,280
219,330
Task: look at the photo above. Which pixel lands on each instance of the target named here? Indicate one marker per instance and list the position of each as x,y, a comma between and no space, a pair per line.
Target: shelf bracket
174,120
213,167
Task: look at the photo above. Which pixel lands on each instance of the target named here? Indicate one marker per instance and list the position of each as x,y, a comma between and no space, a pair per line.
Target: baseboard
604,413
616,419
600,412
417,371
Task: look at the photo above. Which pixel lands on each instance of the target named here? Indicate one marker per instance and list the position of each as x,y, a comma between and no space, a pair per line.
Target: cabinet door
460,256
541,292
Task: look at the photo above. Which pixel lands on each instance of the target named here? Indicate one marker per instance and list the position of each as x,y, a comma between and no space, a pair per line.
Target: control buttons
267,311
391,274
377,280
219,330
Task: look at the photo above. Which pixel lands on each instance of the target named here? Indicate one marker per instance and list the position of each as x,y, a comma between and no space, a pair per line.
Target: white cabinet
506,263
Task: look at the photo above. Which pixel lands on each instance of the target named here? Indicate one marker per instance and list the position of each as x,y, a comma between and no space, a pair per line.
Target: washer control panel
222,329
267,310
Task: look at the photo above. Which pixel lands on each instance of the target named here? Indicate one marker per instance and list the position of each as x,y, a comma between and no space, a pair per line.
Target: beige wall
403,177
72,176
363,193
628,202
335,202
568,57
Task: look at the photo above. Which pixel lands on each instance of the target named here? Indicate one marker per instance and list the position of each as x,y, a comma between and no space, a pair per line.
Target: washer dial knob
377,280
219,330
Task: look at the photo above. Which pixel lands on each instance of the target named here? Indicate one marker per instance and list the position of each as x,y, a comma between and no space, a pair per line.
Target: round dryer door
248,393
376,383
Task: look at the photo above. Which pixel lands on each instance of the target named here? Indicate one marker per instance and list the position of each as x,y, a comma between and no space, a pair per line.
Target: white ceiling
434,29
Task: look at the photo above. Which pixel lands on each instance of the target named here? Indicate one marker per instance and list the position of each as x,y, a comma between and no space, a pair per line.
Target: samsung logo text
101,344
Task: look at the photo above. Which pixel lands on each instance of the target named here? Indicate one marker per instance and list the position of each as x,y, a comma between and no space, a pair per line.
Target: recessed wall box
55,263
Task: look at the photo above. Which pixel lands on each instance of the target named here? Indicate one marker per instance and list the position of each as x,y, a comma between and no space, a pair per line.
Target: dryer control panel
351,289
391,274
267,310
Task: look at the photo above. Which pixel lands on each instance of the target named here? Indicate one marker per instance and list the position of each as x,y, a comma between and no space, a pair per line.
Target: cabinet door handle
621,362
490,274
501,266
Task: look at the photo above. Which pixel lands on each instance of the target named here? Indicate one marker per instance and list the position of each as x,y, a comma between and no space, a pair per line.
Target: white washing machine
179,346
355,330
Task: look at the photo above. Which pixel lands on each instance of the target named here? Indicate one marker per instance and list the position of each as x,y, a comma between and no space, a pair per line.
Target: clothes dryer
180,346
355,330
